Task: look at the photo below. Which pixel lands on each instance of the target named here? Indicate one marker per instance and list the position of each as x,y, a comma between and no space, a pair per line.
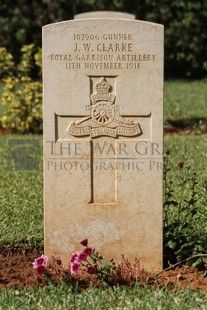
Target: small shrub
21,95
7,66
30,64
184,213
22,98
38,59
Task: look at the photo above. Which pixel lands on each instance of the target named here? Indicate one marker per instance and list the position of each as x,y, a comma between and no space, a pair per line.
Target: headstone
103,135
104,14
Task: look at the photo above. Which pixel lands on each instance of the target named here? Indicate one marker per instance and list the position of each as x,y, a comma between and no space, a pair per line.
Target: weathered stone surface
103,135
104,14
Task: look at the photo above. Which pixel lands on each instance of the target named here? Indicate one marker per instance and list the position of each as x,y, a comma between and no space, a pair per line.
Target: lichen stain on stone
59,239
99,232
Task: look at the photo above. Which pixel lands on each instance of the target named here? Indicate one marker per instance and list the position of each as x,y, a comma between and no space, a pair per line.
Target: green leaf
105,266
198,262
171,244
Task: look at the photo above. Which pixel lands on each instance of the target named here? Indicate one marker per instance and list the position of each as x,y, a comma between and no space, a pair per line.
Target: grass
190,149
21,212
63,297
1,106
185,100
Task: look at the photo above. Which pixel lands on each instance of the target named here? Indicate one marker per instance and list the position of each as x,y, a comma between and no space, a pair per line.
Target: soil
185,126
4,131
16,271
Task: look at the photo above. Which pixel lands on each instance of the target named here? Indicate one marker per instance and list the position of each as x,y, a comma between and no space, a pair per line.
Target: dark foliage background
185,24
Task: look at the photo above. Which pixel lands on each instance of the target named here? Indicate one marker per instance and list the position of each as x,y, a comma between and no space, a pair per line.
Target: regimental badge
104,118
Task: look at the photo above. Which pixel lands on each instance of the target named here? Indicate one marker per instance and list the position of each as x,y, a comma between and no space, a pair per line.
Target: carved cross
103,125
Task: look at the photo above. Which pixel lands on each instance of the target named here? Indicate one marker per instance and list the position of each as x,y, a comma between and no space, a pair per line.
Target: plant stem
181,197
182,261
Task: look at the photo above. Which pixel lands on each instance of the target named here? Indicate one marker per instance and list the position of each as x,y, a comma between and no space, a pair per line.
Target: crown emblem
102,87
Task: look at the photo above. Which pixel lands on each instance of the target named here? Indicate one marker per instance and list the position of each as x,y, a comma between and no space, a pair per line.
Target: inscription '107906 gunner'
104,119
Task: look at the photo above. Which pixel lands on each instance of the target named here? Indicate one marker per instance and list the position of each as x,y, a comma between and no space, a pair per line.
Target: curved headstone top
104,14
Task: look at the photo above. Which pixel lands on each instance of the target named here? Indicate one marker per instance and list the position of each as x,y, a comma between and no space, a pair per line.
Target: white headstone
103,135
104,14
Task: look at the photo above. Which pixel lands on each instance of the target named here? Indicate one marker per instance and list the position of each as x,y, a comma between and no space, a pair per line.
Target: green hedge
184,21
21,95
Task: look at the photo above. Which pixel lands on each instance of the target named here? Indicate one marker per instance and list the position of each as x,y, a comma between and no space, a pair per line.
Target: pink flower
84,242
40,261
74,257
181,164
88,251
82,256
74,267
40,270
90,269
